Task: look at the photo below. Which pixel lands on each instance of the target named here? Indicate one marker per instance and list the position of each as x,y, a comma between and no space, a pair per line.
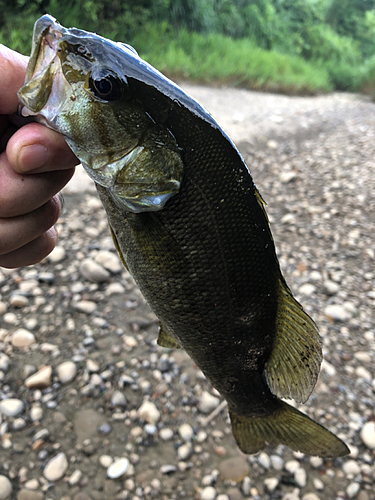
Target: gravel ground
92,409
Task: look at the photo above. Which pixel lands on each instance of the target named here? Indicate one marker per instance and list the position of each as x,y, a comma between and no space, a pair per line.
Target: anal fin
293,366
165,339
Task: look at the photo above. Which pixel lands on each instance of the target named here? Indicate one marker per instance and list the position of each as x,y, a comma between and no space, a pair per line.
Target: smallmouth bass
189,225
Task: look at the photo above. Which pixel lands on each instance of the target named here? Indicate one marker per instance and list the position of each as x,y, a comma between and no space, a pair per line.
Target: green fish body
189,225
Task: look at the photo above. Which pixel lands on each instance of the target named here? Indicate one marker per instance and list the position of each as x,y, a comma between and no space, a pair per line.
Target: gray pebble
93,271
5,488
11,407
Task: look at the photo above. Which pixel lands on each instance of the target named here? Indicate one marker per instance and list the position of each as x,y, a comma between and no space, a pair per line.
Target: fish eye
105,85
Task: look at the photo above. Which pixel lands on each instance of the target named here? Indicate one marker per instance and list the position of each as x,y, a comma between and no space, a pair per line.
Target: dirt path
313,159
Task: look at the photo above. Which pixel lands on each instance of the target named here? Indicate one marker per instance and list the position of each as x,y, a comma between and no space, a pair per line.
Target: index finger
12,74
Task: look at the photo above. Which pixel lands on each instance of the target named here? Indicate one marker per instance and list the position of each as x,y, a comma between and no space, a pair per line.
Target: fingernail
32,157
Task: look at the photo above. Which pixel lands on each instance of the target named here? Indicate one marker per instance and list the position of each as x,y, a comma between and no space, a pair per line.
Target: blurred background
294,47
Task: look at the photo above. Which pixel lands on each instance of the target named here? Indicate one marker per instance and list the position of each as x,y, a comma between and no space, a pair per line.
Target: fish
190,226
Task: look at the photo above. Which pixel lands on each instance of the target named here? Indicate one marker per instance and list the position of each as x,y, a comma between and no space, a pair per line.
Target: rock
3,308
4,362
105,461
22,338
186,432
93,271
118,468
310,496
208,493
166,434
271,483
207,403
85,306
19,301
307,289
184,451
277,462
118,399
92,366
66,372
353,489
56,467
264,460
36,413
337,313
286,177
41,379
368,435
292,466
57,255
363,357
362,372
149,412
300,477
18,424
109,261
330,287
11,407
234,469
75,477
5,488
316,462
351,468
26,494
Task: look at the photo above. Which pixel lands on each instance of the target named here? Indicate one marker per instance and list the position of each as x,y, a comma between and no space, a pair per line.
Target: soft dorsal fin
293,366
165,339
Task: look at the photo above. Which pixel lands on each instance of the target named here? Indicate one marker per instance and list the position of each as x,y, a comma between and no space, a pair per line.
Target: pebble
109,261
66,372
271,483
19,301
3,308
166,434
92,366
57,255
5,488
300,477
26,494
41,379
264,460
307,289
105,461
330,287
368,435
75,477
118,399
11,407
118,468
351,468
337,313
93,271
208,493
168,469
310,496
353,489
56,467
316,462
234,469
277,462
85,306
148,412
184,451
292,466
18,424
207,403
22,338
186,432
363,357
4,362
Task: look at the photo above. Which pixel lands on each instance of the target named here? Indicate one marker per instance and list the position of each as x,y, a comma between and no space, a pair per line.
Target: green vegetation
299,46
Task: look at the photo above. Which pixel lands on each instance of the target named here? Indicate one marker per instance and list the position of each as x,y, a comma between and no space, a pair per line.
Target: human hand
35,164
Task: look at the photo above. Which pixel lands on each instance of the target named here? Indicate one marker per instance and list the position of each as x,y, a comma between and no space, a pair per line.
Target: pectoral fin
165,339
286,426
117,246
293,366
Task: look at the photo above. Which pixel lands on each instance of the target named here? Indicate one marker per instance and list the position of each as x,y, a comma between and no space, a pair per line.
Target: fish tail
287,426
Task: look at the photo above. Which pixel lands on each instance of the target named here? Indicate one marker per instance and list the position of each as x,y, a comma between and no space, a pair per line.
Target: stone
92,366
271,483
11,407
56,467
41,379
26,494
264,460
4,362
22,338
18,424
118,399
292,465
118,468
185,451
316,462
307,289
148,412
109,261
75,477
19,301
363,357
208,493
105,461
368,435
57,255
6,488
300,477
277,462
337,313
166,434
3,308
66,372
330,287
353,489
207,403
93,271
115,289
85,306
234,469
310,496
186,432
351,468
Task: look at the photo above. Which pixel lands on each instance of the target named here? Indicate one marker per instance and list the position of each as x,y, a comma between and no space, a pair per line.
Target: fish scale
190,226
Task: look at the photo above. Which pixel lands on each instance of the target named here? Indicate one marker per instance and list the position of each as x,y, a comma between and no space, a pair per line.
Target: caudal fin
286,426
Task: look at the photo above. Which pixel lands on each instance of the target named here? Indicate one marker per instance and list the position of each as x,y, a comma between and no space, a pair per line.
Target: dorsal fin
293,366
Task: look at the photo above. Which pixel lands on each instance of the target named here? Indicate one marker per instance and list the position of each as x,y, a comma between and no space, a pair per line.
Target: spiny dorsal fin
293,366
165,339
